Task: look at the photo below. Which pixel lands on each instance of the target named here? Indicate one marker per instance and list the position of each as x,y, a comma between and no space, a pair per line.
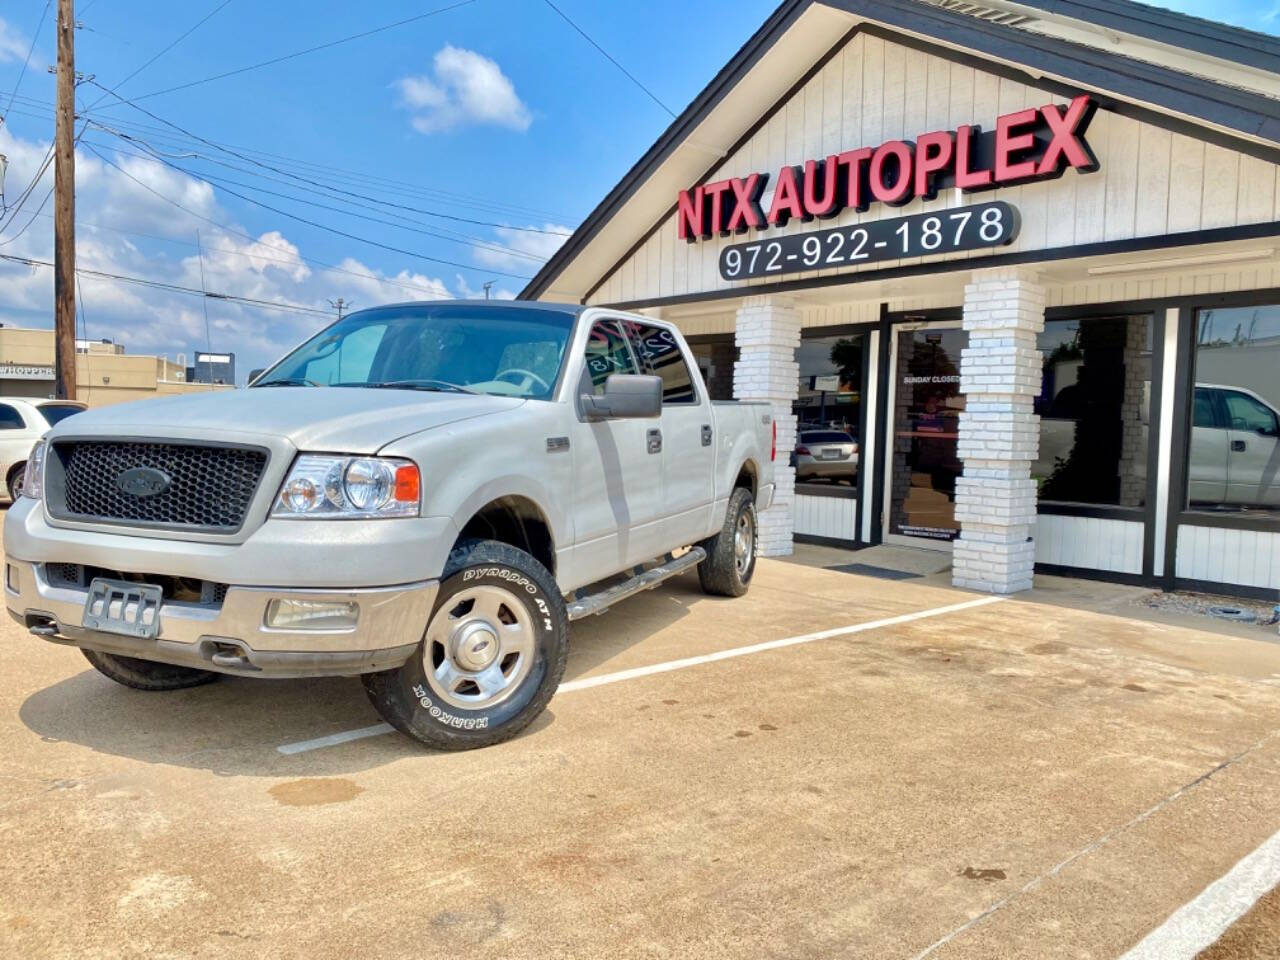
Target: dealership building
1025,255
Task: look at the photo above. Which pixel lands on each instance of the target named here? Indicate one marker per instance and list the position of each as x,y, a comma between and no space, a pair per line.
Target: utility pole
64,209
487,287
341,306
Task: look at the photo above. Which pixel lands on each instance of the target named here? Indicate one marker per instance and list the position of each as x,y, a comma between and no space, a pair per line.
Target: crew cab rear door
688,441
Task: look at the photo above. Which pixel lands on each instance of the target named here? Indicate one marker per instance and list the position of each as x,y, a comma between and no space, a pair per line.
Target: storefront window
828,412
715,357
1235,434
1095,411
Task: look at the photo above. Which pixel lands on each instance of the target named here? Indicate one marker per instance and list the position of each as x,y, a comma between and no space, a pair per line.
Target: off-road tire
719,573
147,674
13,482
405,698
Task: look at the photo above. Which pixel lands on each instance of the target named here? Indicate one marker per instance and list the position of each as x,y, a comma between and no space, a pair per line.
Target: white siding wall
826,516
1089,542
1246,557
874,90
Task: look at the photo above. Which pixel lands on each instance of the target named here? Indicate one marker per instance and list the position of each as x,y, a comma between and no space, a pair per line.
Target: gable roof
1242,119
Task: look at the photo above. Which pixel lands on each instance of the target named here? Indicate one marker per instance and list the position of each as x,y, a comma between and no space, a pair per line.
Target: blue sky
495,111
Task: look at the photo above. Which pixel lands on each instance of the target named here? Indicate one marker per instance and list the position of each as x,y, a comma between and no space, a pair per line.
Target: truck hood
321,419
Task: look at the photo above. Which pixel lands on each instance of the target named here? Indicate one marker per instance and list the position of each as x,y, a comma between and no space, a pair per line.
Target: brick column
767,333
1000,373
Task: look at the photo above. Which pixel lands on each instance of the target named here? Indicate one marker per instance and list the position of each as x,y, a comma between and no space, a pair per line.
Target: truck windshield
472,348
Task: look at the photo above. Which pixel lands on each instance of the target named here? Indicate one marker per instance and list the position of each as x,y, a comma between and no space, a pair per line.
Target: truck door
1253,458
688,443
617,466
1207,474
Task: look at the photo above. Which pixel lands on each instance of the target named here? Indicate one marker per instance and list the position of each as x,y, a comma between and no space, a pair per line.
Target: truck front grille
207,488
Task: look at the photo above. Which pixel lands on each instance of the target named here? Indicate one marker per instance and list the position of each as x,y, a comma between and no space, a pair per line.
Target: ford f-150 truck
423,495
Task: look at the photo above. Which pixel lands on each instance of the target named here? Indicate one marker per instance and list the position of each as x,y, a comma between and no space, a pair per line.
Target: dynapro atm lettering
1031,144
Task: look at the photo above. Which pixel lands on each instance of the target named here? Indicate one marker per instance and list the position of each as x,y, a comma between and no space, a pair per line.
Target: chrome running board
585,606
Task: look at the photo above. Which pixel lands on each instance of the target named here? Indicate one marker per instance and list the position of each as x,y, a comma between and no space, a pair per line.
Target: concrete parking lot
1047,776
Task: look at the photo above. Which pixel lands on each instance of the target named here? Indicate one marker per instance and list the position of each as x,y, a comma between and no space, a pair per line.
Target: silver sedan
827,455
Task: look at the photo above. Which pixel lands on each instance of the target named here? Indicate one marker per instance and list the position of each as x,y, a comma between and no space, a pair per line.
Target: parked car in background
23,421
826,455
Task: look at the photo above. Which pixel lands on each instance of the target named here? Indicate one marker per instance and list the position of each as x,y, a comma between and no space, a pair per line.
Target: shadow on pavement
233,727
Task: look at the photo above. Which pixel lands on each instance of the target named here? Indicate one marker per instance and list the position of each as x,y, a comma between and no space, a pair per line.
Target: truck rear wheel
491,657
731,553
147,674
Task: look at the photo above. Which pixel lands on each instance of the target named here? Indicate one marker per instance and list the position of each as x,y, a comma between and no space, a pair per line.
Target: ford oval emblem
143,481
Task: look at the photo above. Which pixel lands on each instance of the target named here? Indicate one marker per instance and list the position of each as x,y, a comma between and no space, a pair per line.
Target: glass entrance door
925,412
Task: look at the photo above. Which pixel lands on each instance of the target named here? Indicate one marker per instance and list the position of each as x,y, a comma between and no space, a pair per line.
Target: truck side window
607,353
1246,413
1204,416
659,353
10,419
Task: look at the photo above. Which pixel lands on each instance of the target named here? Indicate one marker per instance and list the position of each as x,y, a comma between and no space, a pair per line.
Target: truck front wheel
731,553
147,674
492,655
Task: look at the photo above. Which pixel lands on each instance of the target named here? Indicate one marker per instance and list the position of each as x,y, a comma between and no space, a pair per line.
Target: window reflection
1235,435
828,412
1094,407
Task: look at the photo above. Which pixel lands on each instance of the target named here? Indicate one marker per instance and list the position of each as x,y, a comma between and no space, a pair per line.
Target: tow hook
43,628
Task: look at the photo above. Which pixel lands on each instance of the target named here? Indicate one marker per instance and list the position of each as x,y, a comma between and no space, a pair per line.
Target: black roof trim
1228,107
1213,39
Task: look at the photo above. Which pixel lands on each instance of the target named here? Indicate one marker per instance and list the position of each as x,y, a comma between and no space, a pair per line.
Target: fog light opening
286,614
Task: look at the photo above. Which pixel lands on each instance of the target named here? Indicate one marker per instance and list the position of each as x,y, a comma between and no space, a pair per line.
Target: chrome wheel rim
744,542
478,648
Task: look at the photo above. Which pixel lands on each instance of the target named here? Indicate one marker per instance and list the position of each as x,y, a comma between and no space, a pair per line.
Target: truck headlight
33,476
349,487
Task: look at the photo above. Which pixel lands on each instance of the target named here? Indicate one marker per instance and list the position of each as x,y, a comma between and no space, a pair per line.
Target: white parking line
586,683
1193,927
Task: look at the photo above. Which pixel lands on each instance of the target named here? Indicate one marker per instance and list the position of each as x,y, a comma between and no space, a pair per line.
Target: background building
217,368
105,374
1025,254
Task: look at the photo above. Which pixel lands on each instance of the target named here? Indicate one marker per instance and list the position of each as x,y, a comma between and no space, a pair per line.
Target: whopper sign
1026,145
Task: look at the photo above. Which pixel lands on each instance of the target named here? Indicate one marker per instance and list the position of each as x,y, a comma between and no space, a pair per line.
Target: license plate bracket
122,607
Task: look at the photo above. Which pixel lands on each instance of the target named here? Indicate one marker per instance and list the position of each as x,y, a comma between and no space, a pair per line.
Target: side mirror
254,375
626,395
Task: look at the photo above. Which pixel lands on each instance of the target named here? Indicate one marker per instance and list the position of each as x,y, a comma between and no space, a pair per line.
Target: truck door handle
1238,446
655,440
706,434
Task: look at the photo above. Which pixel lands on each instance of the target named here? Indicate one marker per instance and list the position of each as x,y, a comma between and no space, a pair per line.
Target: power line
401,223
320,265
174,43
30,50
173,287
301,53
165,135
627,73
274,169
304,220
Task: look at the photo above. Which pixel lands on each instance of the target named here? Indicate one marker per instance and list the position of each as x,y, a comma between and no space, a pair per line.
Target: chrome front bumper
232,637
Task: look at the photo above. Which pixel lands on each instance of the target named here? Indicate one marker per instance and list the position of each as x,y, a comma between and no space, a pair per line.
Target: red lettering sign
1030,144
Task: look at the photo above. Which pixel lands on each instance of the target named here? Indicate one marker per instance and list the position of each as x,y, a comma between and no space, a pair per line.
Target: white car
23,421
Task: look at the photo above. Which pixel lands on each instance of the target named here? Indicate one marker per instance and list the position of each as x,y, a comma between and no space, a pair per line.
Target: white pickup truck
424,495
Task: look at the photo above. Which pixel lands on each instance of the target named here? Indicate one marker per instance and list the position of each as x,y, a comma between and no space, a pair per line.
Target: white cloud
268,267
540,245
12,46
467,88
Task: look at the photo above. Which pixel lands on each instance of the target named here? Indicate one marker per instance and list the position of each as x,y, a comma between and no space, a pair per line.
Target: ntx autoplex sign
1031,144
